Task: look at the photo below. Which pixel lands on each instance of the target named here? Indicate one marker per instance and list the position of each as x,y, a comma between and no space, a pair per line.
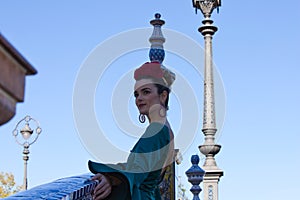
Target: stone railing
80,188
71,188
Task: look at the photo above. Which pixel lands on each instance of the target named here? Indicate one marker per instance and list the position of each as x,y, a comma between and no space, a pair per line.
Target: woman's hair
160,89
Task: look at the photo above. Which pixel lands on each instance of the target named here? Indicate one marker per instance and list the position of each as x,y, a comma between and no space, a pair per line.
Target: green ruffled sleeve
144,163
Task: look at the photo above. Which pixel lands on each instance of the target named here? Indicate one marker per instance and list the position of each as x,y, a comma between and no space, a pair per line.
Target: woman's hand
103,189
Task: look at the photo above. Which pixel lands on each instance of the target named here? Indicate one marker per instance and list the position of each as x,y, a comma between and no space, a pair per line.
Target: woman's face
146,95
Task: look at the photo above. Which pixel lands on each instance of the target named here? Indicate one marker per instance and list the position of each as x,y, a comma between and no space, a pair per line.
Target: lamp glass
26,135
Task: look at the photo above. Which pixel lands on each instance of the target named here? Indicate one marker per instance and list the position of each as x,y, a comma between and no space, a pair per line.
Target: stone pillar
209,148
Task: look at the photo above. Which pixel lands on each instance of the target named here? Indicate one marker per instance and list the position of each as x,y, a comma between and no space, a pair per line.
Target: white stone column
209,148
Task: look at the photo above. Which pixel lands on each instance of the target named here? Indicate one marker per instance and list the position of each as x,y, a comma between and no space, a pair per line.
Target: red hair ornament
151,69
155,70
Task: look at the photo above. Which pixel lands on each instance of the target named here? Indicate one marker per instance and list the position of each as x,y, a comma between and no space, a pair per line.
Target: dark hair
160,89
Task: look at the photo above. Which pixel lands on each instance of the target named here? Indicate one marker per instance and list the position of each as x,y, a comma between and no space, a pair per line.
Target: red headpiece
155,70
151,69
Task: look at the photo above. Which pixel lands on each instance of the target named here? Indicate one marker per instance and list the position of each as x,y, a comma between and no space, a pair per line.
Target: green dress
140,175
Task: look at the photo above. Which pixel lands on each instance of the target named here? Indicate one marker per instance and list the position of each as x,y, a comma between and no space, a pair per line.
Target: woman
139,177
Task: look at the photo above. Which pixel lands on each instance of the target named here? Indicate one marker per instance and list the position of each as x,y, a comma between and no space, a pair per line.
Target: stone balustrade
71,188
80,188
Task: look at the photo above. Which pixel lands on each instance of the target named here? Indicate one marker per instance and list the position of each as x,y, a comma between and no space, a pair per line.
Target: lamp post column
209,148
25,158
26,139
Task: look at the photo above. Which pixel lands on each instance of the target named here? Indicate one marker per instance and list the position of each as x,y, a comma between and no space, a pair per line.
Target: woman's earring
142,118
162,112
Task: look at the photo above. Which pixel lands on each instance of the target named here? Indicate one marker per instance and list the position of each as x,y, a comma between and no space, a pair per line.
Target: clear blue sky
256,51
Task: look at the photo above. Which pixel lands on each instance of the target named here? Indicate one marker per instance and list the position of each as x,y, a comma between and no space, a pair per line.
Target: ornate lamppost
209,148
29,136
